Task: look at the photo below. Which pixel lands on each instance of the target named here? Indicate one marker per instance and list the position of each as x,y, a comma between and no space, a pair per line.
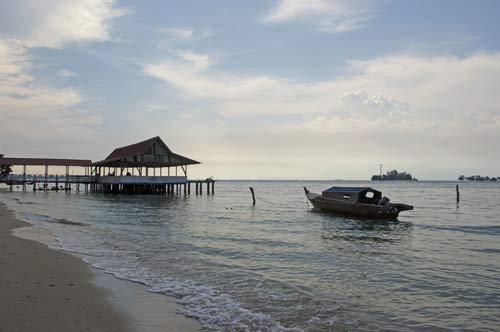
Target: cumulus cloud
53,23
327,15
372,106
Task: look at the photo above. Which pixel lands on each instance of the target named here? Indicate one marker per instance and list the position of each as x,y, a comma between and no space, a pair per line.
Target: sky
275,89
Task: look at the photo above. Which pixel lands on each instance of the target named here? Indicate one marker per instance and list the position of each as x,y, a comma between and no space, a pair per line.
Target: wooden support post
253,195
66,179
458,194
24,177
208,188
189,188
213,190
196,188
185,189
201,188
46,185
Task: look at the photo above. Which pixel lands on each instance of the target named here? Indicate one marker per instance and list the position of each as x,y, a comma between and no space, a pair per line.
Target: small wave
217,311
358,238
35,218
488,230
487,250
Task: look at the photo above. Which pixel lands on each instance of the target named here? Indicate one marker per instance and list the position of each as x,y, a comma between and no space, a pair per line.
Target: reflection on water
280,266
365,230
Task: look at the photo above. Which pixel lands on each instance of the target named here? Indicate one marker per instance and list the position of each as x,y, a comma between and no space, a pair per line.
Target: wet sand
43,289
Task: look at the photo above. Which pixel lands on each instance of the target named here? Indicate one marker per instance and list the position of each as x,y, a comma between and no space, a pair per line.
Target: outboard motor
383,201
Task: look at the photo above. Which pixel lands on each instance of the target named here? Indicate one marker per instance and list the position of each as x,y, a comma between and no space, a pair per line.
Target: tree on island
477,178
393,175
5,170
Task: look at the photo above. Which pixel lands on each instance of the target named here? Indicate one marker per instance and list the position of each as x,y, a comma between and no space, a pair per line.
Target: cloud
53,23
373,106
30,109
19,91
437,96
180,33
332,16
65,73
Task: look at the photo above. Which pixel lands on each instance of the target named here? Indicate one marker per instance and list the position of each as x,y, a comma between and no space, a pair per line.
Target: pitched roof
135,149
118,154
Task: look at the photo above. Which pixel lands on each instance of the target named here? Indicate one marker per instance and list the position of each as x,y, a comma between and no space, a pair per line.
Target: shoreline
47,289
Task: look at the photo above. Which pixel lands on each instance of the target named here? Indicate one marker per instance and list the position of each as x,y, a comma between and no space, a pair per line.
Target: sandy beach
43,289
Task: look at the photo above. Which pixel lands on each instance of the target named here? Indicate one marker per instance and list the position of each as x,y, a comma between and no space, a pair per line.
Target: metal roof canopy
349,190
45,162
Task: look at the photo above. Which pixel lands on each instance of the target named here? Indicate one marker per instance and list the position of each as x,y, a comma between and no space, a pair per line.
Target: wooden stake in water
458,195
253,195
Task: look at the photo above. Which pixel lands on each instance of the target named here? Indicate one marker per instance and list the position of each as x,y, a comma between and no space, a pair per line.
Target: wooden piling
24,177
458,194
253,195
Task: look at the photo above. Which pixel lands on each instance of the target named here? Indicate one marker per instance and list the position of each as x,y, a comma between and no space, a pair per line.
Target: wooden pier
147,167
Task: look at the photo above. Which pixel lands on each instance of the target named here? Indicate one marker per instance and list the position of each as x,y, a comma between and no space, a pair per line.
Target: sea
282,266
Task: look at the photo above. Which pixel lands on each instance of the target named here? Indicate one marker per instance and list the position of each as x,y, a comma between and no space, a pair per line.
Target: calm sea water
279,266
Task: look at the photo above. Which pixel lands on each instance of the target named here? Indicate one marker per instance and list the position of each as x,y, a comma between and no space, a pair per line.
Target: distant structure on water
393,175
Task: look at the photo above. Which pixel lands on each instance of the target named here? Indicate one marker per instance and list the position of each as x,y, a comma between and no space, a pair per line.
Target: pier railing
113,184
20,178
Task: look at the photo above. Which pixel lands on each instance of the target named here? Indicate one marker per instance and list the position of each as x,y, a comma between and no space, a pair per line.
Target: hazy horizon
281,89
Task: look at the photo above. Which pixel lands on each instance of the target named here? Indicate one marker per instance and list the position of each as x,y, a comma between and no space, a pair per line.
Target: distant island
394,175
478,178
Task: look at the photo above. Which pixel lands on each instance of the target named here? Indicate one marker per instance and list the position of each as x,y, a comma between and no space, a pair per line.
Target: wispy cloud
20,92
332,16
186,34
177,37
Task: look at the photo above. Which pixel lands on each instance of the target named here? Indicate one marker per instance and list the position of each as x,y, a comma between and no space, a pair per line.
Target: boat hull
389,211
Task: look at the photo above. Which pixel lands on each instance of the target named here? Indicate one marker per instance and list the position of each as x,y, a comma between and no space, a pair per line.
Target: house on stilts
147,167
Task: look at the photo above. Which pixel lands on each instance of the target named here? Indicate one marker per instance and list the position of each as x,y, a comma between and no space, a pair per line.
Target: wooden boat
357,201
